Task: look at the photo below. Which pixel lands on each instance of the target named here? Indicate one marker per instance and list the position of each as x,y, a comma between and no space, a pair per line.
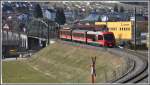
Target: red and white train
97,38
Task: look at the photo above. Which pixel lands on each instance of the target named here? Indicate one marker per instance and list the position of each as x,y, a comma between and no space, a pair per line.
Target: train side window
91,37
81,35
78,35
75,34
100,37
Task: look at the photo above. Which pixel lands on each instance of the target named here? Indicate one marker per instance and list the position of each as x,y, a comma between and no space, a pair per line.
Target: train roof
95,33
80,31
88,32
65,29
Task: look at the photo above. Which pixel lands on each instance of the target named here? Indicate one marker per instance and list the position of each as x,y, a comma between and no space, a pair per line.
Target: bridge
20,42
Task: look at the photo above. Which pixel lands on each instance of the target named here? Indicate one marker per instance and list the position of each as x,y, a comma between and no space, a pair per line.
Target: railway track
138,73
144,73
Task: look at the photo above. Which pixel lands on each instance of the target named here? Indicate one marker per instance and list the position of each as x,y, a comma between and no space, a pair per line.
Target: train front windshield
109,37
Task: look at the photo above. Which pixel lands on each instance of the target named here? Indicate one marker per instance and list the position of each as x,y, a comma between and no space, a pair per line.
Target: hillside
62,63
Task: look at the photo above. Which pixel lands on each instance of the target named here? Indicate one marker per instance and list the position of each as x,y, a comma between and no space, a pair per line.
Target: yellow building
122,30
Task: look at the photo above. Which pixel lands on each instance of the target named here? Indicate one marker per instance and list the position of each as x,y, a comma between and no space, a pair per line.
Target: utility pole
38,30
48,33
135,28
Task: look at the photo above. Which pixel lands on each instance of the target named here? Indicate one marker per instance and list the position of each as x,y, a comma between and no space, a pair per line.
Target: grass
16,71
60,63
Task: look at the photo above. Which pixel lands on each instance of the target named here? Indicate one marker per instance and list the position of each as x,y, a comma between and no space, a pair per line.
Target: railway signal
93,70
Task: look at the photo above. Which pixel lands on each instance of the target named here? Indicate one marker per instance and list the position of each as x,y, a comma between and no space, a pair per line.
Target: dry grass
62,63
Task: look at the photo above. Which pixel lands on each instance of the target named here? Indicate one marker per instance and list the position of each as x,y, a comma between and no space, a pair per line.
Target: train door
100,39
